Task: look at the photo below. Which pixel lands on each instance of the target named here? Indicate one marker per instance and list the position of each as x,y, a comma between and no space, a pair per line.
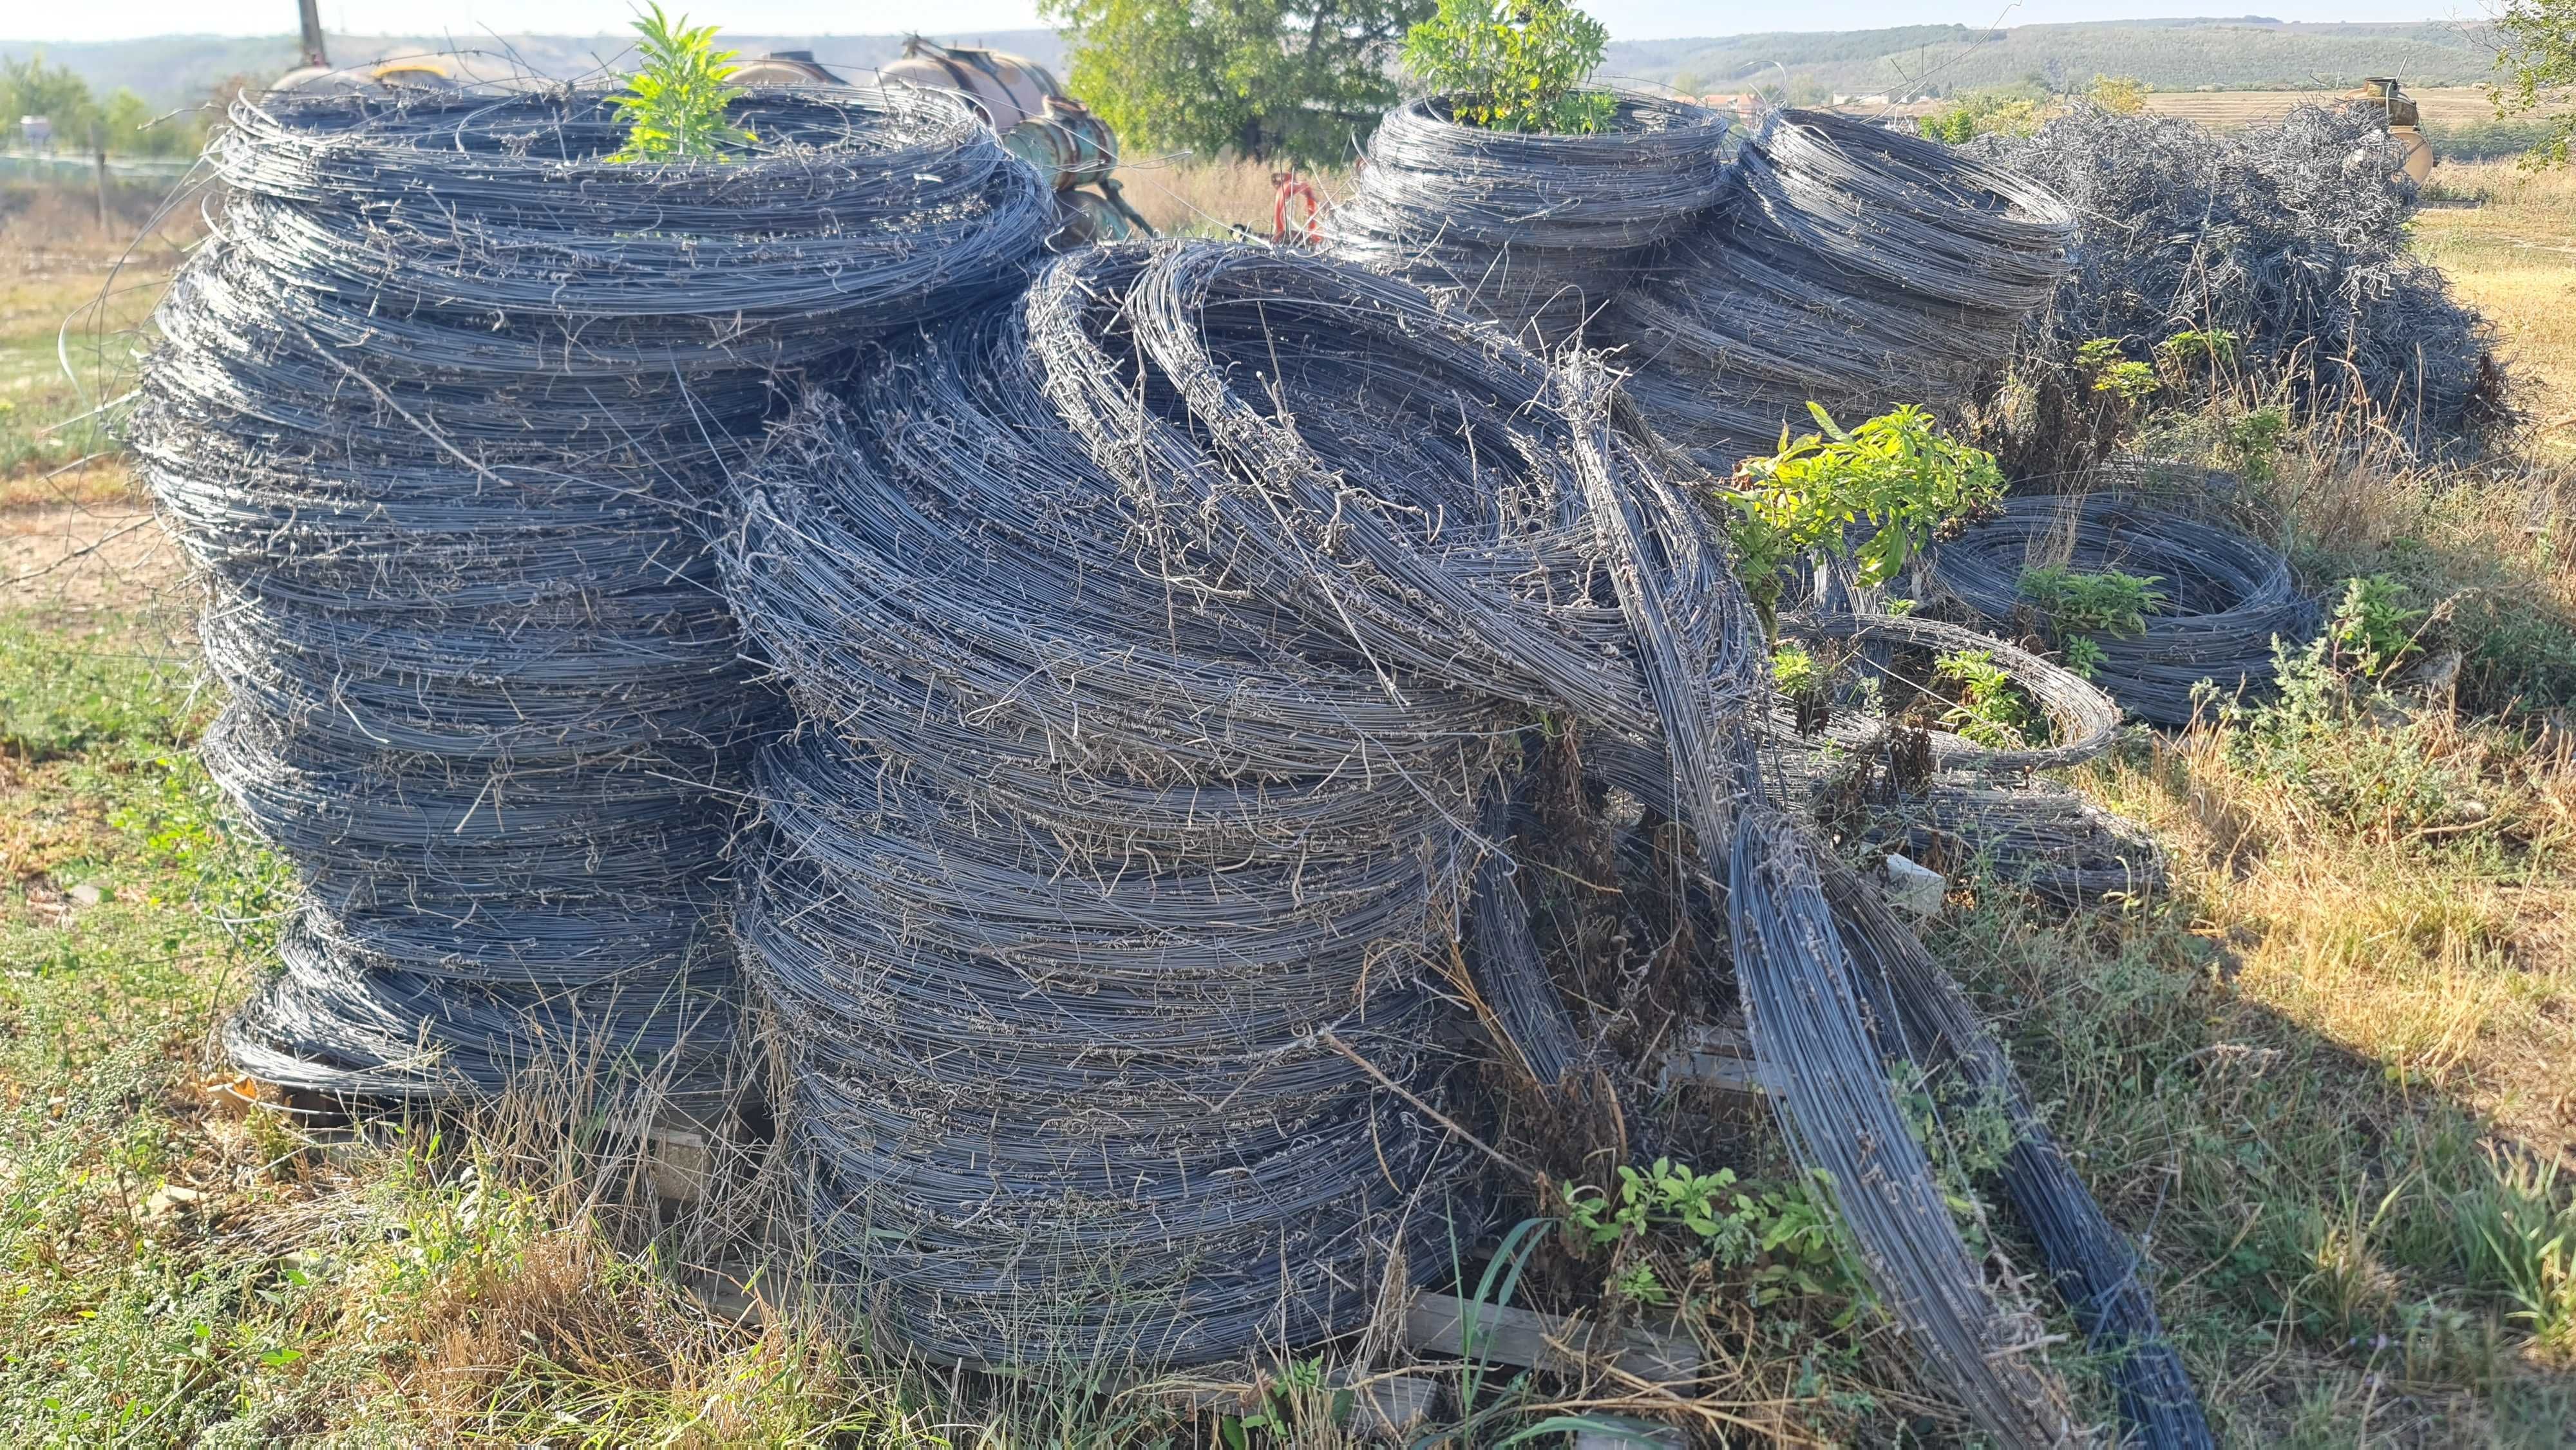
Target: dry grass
2438,105
2507,237
1214,198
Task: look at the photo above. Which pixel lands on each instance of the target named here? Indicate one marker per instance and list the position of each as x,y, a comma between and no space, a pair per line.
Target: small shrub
2124,379
1992,710
675,106
1795,670
2080,603
1982,113
2119,95
1513,65
1897,472
2372,631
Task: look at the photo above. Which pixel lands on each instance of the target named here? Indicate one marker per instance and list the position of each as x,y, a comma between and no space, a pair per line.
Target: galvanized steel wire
1849,265
441,411
1539,230
1159,648
2228,602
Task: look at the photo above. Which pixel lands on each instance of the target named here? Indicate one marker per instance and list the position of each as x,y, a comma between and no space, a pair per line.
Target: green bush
1897,472
1513,65
675,106
2079,603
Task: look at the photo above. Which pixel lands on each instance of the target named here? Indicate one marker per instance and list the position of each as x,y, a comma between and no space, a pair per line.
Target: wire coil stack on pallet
1160,646
2226,601
1538,230
1850,265
441,413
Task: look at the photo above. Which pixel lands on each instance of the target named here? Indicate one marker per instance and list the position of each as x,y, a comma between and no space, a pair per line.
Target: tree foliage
1513,65
1273,80
32,88
675,105
2538,61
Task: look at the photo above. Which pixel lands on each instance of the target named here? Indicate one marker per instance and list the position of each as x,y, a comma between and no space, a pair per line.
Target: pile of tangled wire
1538,230
441,413
2275,258
1879,758
1848,265
1161,647
2220,604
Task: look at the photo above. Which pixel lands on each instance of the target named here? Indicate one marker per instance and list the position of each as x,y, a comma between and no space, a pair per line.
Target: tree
2538,59
1513,65
1300,81
32,88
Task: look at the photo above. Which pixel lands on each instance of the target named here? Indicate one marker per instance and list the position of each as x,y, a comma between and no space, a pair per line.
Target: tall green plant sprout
1513,65
675,105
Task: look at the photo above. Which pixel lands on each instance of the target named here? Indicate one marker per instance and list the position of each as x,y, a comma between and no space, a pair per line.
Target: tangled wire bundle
2290,238
1160,645
1849,265
1536,230
439,411
2226,600
1955,803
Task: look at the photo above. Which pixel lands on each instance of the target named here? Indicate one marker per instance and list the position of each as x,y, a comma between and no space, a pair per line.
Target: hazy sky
1627,19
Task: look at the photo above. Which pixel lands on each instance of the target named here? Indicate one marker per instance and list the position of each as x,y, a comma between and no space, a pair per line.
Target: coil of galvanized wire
1158,647
2226,601
1538,230
1849,265
440,411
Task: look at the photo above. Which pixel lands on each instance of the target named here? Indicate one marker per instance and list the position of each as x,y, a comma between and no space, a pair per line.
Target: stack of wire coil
1537,230
1160,648
1848,265
441,413
2225,602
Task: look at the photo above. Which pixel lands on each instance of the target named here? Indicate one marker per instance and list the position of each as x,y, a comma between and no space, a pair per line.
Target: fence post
98,149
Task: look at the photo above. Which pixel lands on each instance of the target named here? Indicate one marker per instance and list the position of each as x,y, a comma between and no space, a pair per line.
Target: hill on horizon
1916,60
1911,60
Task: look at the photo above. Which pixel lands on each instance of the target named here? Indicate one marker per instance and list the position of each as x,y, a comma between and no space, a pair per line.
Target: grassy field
2328,1078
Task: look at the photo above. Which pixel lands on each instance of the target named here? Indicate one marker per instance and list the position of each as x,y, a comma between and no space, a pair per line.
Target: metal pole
98,149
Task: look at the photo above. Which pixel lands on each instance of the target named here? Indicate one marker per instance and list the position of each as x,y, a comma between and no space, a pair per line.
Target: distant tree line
128,124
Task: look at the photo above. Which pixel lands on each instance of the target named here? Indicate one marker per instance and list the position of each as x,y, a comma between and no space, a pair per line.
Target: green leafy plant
2251,443
2372,631
675,105
1300,1381
1795,670
2124,379
1992,710
2081,603
2197,347
1983,113
1513,65
2084,655
1788,1237
1898,472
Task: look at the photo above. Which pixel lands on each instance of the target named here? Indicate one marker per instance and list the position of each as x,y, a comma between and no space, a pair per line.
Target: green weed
1991,710
2078,602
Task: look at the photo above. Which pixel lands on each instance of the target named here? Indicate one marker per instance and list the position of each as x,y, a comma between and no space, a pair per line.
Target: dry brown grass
2507,237
1212,198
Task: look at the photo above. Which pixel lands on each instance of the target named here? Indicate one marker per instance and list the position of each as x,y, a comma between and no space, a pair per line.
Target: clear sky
1627,19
